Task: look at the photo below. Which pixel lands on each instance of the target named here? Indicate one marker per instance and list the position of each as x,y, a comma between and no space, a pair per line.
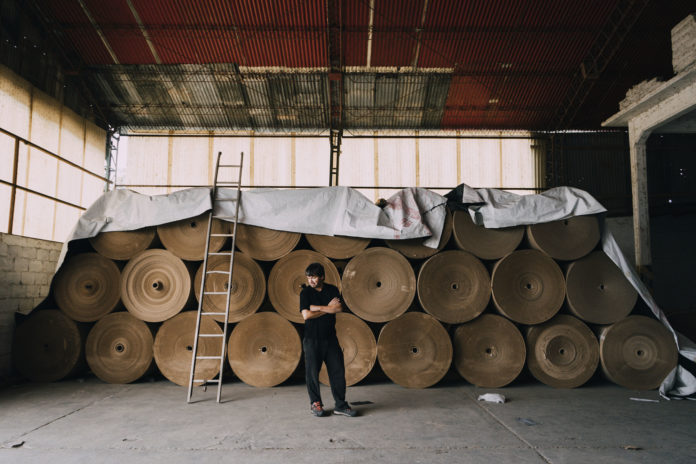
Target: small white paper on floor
492,398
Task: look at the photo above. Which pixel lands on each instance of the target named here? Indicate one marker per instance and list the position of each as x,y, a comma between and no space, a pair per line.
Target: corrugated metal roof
505,64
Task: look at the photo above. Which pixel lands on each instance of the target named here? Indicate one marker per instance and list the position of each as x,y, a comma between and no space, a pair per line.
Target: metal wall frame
14,186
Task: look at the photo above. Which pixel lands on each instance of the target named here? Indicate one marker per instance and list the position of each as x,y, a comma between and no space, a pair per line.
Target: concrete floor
93,422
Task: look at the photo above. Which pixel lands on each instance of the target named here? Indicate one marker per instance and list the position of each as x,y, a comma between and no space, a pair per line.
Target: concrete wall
26,268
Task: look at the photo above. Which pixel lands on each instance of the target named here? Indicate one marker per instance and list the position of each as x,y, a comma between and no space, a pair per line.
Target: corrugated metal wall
597,162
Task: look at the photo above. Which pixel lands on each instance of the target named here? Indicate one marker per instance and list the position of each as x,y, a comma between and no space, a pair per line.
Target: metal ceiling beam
608,42
335,22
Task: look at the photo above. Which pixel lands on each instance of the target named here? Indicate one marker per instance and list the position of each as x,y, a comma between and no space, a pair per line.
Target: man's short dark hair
315,270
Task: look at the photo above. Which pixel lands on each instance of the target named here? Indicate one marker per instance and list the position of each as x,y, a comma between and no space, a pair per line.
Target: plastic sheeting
410,213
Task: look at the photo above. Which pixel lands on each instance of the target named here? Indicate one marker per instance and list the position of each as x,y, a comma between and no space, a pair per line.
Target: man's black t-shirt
321,327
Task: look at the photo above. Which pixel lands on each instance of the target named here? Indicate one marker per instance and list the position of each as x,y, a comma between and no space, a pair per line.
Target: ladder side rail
194,352
229,276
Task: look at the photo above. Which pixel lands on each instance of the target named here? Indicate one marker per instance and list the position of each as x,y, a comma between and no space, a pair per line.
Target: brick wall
26,268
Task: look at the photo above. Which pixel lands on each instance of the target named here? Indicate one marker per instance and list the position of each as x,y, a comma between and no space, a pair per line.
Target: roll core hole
455,286
489,350
379,284
189,348
561,351
528,286
157,285
264,349
640,352
120,348
414,349
193,225
601,286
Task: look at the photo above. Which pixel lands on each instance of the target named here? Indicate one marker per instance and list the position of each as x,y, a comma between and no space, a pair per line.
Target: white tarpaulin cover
410,213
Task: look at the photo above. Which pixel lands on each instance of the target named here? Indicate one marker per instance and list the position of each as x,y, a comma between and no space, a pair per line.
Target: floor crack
513,432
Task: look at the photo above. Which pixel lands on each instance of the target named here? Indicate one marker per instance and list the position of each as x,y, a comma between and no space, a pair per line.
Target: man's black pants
329,352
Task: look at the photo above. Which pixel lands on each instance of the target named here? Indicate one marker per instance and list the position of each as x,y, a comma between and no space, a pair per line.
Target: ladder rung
208,357
217,272
227,183
222,235
229,165
214,314
211,335
214,293
221,253
226,217
207,381
225,199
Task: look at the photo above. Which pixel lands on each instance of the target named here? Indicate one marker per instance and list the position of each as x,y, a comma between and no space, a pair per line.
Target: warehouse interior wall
50,158
26,268
377,164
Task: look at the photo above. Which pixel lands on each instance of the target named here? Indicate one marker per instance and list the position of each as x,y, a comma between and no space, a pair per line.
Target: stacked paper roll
483,304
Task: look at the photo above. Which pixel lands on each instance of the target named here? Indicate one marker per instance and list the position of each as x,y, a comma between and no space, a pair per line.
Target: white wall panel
312,161
358,165
188,162
480,162
45,121
37,222
72,138
32,114
7,145
146,161
437,163
5,193
272,161
15,103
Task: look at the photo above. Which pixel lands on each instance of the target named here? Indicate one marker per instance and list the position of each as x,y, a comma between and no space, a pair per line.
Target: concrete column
639,189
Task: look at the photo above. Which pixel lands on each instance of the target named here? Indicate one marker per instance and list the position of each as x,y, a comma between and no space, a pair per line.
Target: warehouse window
51,162
376,164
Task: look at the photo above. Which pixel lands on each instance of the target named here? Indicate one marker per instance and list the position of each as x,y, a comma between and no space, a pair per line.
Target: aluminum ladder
217,183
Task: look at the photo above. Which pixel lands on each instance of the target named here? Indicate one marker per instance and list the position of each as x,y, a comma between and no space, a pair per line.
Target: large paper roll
527,287
359,349
48,346
489,351
123,245
186,238
414,350
119,348
414,249
248,286
87,287
482,242
173,348
562,352
378,284
454,286
566,240
597,291
287,278
265,244
337,247
155,285
637,352
264,349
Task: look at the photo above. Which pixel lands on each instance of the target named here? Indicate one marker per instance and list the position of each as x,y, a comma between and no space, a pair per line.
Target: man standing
319,303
